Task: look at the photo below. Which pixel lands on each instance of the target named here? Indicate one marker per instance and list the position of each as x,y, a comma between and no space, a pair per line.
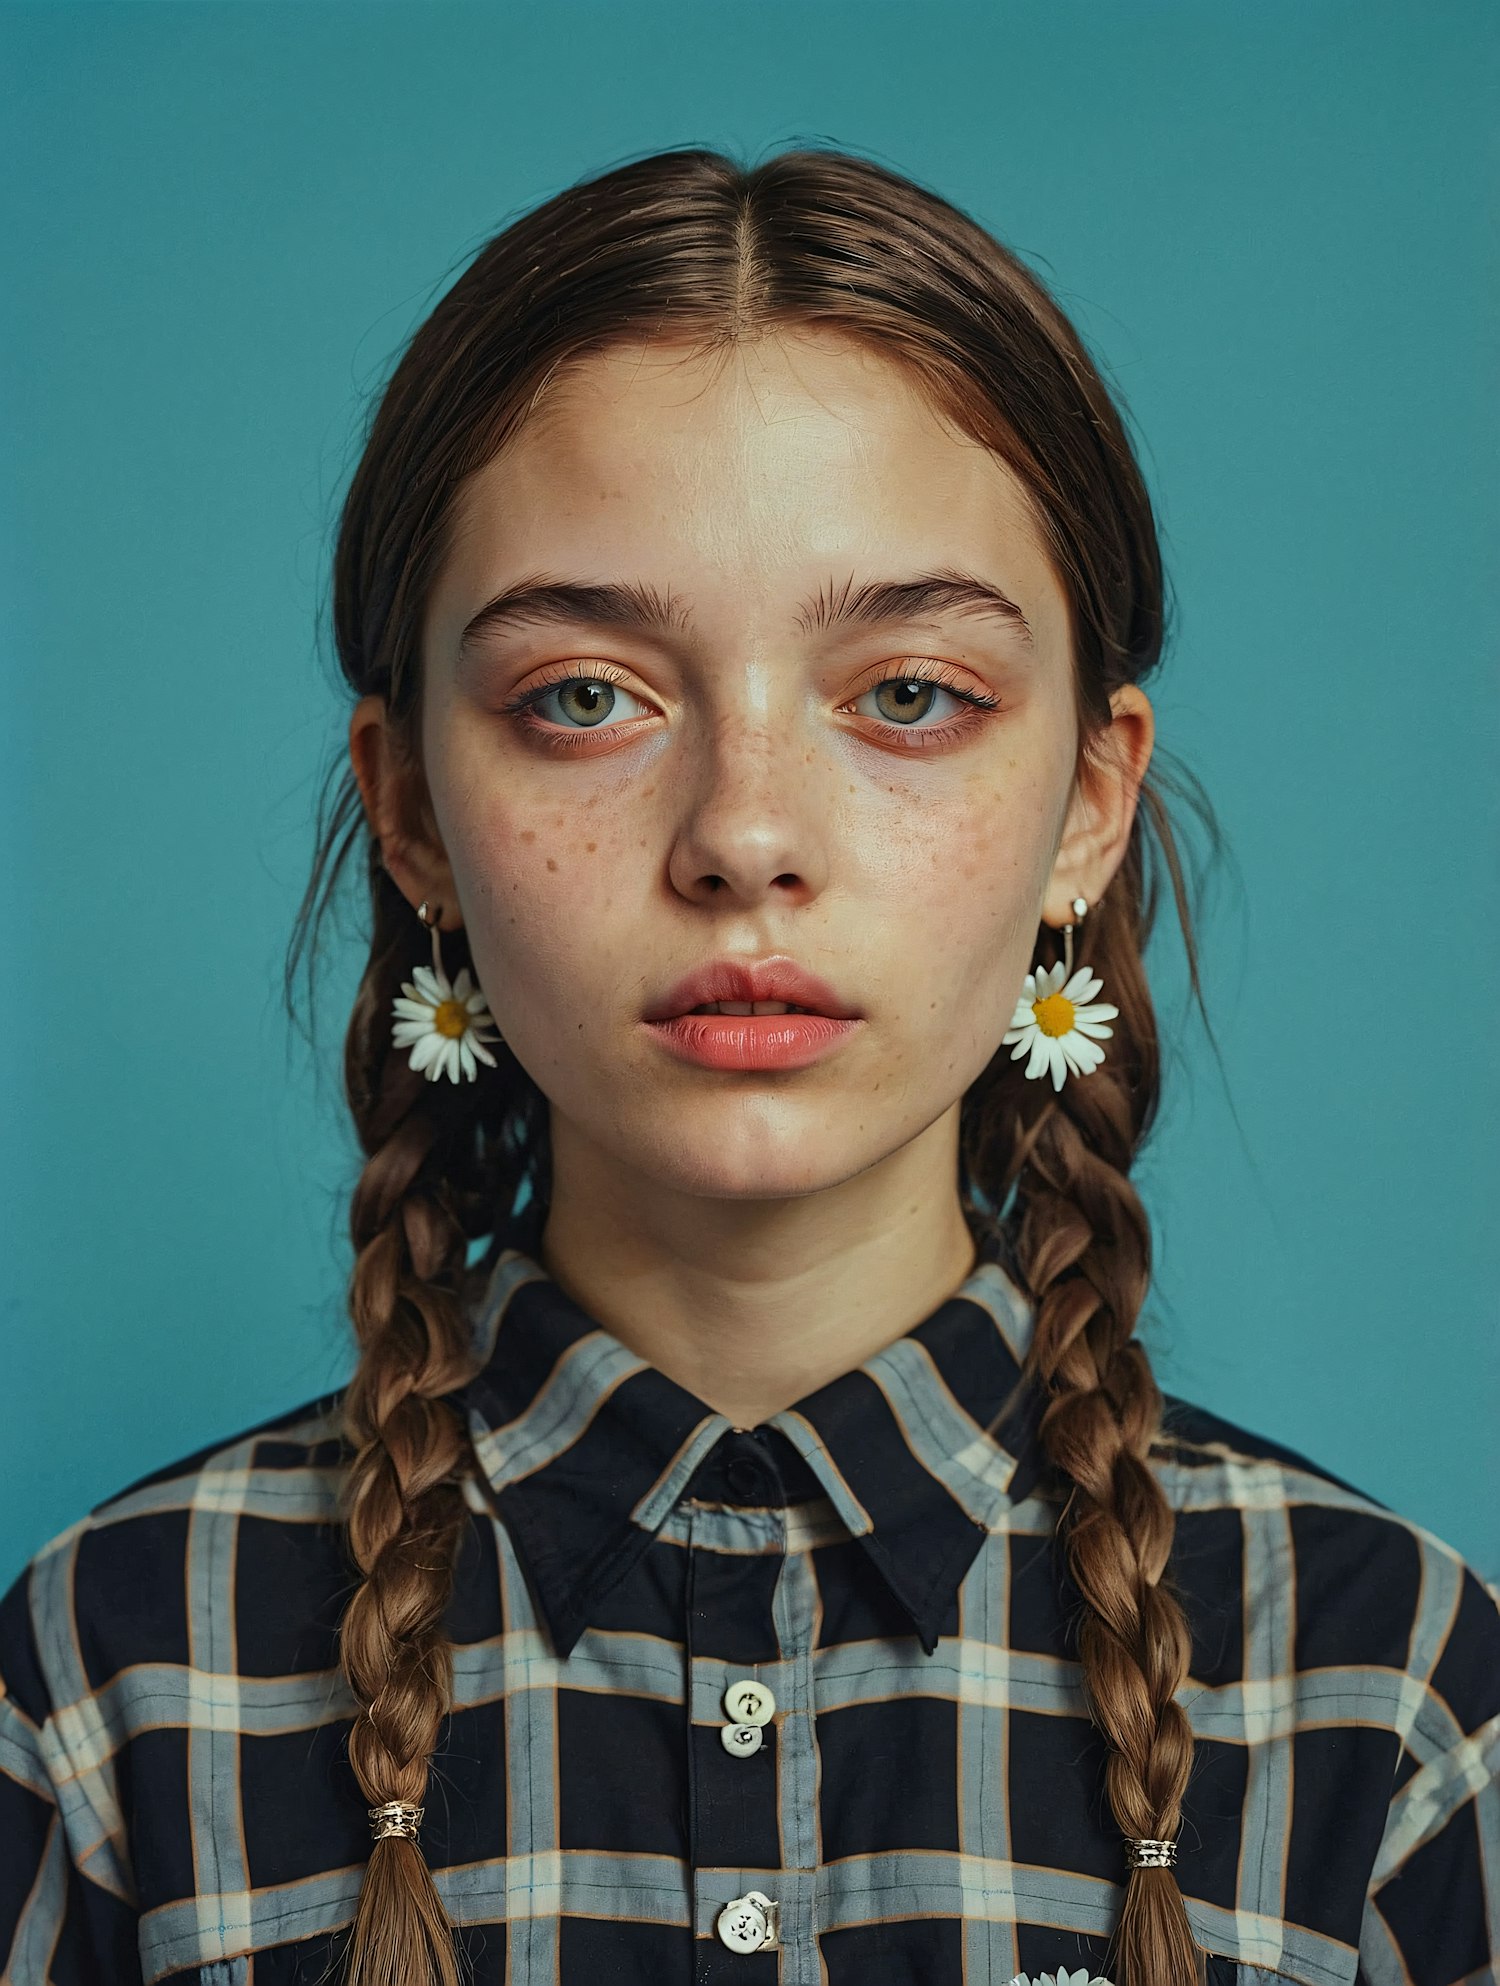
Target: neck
752,1303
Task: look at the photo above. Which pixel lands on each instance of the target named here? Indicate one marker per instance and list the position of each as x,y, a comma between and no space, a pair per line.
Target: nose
755,816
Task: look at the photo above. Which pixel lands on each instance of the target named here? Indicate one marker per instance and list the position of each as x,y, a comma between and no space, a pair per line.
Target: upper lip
751,980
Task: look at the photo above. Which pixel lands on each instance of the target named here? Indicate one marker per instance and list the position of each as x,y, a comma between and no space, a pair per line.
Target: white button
740,1740
748,1923
748,1702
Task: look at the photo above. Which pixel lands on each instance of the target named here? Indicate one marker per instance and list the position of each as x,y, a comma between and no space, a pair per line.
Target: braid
402,1499
1084,1247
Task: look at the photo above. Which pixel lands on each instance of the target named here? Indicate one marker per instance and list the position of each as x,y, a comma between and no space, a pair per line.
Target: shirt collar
586,1447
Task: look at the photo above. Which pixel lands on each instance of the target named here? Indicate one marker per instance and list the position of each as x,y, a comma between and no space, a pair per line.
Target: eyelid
902,668
926,669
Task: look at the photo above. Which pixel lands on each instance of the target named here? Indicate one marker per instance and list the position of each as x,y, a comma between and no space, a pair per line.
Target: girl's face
755,745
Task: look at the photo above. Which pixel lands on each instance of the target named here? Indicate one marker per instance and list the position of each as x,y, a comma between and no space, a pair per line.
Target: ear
399,812
1101,813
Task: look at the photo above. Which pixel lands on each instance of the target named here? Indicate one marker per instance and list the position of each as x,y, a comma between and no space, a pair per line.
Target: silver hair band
395,1817
1148,1854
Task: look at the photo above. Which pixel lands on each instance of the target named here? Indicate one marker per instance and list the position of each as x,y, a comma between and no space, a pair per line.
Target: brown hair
689,244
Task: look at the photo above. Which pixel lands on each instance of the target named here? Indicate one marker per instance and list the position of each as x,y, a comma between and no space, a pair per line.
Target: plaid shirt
825,1662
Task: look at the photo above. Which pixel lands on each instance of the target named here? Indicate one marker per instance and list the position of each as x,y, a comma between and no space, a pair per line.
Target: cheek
968,870
546,893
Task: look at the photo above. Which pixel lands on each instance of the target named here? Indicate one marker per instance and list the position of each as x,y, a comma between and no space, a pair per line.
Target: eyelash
561,738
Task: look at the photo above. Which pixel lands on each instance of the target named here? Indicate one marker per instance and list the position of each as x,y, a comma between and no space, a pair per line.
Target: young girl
752,1546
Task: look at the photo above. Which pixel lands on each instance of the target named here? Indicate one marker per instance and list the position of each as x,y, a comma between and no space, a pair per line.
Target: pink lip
777,978
751,1041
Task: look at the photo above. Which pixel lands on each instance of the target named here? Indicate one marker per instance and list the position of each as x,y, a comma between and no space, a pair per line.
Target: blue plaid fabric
924,1805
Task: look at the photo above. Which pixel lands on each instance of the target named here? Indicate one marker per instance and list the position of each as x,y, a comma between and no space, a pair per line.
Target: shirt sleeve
59,1925
1432,1917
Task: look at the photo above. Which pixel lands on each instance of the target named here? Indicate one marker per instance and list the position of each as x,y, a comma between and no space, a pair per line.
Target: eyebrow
640,608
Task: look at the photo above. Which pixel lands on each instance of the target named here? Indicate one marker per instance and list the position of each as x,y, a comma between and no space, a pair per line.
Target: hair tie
395,1817
1144,1853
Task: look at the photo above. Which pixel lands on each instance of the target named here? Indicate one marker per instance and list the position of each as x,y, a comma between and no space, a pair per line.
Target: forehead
747,474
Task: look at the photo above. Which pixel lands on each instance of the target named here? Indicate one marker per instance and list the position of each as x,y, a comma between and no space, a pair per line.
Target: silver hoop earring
1052,1024
444,1025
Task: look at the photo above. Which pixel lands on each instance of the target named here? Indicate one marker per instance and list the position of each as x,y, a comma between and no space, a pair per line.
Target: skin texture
753,1235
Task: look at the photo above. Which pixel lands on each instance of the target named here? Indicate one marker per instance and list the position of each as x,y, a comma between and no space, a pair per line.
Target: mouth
749,1007
770,988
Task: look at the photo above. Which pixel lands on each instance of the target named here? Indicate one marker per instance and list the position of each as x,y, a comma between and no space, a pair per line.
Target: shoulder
1337,1579
158,1572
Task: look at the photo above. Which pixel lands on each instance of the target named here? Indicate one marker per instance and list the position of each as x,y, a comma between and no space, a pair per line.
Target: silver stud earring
1051,1021
444,1025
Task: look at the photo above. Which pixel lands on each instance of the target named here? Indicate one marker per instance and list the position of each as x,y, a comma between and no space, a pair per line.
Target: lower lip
752,1041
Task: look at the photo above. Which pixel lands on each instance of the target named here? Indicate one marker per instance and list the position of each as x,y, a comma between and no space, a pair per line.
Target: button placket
735,1834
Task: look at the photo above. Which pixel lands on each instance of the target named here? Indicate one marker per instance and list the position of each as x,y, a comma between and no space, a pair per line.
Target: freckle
592,846
552,866
528,834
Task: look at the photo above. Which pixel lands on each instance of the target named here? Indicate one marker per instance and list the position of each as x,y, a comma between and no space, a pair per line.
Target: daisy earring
444,1025
1051,1021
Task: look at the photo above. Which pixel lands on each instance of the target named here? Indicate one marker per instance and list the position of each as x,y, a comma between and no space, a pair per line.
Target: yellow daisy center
451,1019
1054,1015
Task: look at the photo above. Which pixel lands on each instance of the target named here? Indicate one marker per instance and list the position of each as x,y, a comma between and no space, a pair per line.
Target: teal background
1274,223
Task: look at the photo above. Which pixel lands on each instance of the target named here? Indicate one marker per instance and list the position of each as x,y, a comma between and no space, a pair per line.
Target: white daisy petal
415,994
476,1002
433,984
466,1058
414,1010
427,1050
1059,1064
1096,1028
482,1052
406,1032
463,986
1078,988
1100,1011
1041,1054
1022,1047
